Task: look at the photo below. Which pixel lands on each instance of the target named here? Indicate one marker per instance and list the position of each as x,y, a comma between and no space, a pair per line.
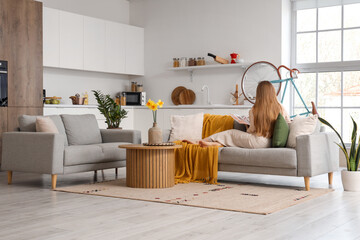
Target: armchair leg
307,183
9,173
53,181
330,177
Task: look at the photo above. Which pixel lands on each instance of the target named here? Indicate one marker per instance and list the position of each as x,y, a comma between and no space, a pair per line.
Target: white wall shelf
191,69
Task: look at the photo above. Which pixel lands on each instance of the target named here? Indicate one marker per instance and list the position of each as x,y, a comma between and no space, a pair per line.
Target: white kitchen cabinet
134,50
115,47
51,37
51,111
128,122
94,44
79,42
142,122
71,40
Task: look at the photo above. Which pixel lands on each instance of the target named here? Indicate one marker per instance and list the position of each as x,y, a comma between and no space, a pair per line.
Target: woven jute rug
242,197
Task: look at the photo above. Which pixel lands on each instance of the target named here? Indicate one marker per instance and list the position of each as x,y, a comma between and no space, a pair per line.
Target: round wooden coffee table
150,167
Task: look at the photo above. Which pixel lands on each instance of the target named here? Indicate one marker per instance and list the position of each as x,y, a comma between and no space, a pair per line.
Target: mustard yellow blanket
196,164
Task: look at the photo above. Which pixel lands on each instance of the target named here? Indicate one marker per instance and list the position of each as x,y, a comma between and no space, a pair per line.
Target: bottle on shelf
183,62
176,62
86,98
218,59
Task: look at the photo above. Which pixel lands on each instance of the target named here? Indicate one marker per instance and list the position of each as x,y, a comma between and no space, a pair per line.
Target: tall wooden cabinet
21,45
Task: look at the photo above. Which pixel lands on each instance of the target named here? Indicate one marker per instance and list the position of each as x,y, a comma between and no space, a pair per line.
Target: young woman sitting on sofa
262,118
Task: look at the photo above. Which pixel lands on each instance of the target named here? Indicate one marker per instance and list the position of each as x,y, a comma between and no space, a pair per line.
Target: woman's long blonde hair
266,109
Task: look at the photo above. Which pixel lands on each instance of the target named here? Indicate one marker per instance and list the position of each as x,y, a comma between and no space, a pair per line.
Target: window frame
319,67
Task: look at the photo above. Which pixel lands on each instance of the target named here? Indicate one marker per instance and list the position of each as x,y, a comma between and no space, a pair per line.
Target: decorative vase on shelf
155,134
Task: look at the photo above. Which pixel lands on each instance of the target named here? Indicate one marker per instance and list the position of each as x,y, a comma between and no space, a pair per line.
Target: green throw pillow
281,132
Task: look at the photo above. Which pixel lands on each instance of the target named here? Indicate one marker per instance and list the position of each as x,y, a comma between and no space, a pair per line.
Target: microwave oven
135,98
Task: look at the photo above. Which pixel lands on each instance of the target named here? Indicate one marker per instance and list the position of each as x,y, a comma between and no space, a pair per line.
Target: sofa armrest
119,135
33,152
317,154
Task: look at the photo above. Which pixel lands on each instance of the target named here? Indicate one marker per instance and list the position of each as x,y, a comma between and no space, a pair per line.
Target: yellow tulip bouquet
154,107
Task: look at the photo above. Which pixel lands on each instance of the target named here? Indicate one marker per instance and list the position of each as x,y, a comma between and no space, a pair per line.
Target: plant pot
351,180
114,128
155,135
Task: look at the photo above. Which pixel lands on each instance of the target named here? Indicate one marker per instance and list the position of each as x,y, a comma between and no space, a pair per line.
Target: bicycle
266,71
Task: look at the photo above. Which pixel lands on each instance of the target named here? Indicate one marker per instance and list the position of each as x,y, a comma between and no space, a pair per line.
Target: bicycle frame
291,80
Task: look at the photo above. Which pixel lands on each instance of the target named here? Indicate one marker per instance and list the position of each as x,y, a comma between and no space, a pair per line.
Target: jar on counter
183,62
133,86
139,88
123,99
191,62
176,63
199,62
118,100
203,61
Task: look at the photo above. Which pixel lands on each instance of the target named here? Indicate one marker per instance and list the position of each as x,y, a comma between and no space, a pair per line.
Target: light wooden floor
29,210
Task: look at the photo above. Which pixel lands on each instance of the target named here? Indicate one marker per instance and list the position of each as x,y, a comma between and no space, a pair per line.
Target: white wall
286,46
192,28
64,83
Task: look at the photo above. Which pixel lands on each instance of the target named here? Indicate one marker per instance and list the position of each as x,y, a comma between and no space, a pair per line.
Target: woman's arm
251,128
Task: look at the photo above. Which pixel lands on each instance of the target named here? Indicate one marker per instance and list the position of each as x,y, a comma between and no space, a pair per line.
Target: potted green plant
110,109
351,176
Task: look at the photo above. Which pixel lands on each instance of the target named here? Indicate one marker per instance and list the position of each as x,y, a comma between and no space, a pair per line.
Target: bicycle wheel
257,72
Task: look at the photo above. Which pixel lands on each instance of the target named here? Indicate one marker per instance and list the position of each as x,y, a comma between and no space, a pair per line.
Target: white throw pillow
186,127
301,126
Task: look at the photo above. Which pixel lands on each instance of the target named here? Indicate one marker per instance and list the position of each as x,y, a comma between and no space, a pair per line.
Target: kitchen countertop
214,106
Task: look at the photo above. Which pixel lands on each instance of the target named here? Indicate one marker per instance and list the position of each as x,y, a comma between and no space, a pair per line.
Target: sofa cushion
186,127
112,152
264,157
302,126
281,132
27,123
95,153
81,129
45,124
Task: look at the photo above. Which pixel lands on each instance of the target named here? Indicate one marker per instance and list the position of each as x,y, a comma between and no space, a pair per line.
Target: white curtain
306,4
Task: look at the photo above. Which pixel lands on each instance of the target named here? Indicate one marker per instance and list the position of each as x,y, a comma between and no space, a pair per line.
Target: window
326,50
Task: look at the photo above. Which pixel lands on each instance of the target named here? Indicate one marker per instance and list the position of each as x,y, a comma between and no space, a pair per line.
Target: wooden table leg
9,173
53,181
330,177
307,183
